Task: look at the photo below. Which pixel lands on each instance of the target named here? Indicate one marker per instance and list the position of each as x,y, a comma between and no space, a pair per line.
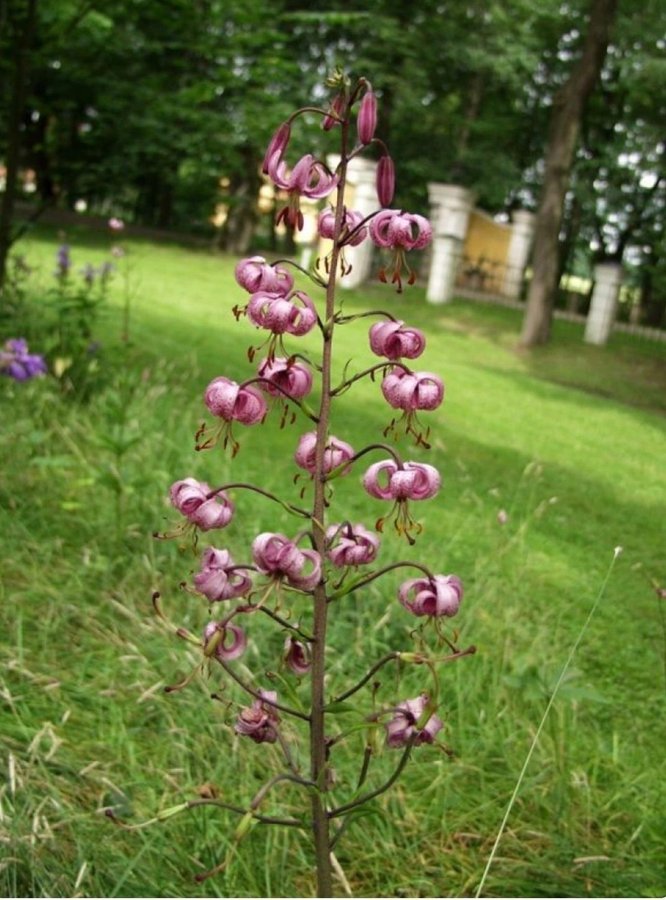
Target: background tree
568,108
17,28
160,111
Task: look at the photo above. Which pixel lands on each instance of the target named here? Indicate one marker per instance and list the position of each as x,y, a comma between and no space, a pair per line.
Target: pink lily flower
259,721
350,222
277,556
395,341
255,274
410,391
190,497
336,453
219,577
225,651
297,656
230,402
438,596
351,545
294,314
398,231
285,376
233,402
309,178
411,481
404,726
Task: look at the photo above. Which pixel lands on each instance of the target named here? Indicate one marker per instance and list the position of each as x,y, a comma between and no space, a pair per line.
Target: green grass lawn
568,440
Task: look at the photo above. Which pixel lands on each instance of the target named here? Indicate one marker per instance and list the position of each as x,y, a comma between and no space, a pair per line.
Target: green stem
368,675
404,759
320,824
258,696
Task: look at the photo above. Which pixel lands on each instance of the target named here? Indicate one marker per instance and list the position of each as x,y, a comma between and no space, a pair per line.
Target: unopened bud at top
367,118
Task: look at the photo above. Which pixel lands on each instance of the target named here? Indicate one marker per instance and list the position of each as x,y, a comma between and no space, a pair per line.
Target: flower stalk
293,580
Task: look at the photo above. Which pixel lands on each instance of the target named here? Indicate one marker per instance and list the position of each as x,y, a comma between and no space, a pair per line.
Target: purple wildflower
17,363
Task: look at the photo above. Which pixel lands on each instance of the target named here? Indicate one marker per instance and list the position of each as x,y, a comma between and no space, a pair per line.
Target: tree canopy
157,110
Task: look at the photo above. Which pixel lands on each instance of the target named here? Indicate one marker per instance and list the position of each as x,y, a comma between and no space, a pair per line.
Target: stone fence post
520,244
600,319
361,183
450,206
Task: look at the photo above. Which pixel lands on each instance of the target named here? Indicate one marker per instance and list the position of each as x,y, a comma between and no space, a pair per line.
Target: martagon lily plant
299,579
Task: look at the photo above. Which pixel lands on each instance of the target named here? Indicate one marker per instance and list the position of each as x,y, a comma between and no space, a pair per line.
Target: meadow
568,441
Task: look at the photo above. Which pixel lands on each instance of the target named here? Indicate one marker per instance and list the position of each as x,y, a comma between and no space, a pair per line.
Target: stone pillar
450,206
600,319
361,196
520,244
306,239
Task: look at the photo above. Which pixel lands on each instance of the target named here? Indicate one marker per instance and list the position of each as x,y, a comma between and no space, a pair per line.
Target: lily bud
367,118
385,180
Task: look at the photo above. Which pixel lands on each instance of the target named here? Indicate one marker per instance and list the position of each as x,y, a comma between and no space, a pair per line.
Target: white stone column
361,183
306,239
600,319
450,206
520,244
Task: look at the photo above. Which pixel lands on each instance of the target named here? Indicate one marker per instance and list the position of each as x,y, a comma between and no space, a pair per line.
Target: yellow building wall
485,252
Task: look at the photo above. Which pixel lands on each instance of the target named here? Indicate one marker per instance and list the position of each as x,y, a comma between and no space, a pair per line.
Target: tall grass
569,442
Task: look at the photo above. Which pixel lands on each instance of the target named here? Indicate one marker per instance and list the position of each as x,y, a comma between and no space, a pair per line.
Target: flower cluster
295,580
17,363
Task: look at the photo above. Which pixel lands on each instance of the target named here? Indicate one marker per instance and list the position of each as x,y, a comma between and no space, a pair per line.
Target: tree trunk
568,107
238,231
471,114
24,35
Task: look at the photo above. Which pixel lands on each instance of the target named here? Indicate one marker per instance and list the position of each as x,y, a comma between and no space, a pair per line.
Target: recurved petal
377,471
